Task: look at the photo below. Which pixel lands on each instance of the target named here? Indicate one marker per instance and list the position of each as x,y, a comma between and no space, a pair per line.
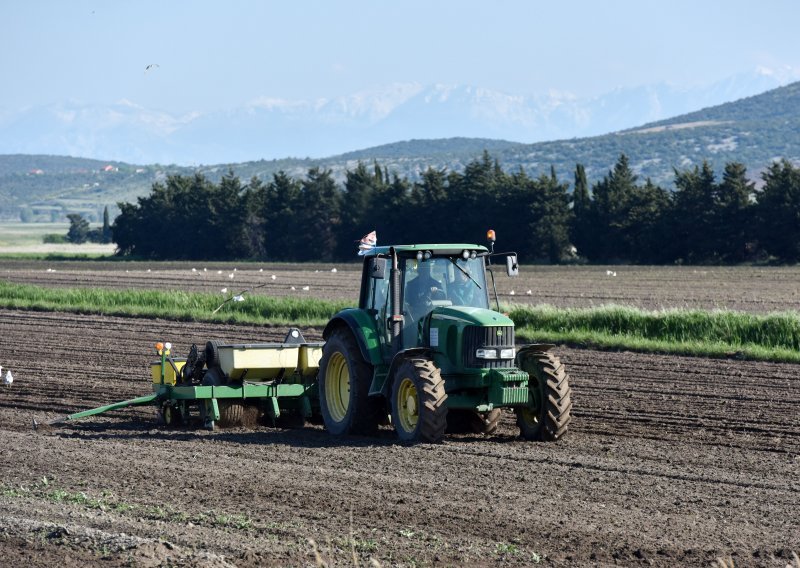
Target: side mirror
377,268
512,268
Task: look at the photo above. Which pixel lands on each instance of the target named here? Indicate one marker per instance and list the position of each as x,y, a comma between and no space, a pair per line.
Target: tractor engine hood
469,316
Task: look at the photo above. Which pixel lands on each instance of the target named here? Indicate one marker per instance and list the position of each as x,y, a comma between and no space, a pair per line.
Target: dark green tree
357,215
611,204
319,217
281,207
778,207
106,232
582,220
734,214
693,215
78,232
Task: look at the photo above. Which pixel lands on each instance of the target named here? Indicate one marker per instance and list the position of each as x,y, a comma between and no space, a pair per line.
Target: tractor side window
378,294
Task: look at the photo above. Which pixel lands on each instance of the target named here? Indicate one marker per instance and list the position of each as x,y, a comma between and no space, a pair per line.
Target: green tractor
425,348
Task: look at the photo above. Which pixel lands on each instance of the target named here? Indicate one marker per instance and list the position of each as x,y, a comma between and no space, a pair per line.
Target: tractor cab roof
435,249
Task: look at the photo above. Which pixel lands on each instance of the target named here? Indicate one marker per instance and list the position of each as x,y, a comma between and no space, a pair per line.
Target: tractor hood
469,316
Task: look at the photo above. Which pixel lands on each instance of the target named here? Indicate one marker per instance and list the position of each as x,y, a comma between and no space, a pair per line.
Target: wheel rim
407,405
167,415
337,386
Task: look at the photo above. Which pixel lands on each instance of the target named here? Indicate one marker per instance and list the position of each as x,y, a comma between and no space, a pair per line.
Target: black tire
213,377
212,354
419,401
344,380
547,417
168,416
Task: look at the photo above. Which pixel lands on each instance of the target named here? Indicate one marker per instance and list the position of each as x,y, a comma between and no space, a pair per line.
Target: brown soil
750,289
669,461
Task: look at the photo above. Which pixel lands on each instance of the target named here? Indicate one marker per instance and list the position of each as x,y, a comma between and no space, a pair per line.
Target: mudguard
363,328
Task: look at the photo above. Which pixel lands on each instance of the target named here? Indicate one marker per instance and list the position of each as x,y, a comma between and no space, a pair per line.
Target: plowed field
750,289
670,461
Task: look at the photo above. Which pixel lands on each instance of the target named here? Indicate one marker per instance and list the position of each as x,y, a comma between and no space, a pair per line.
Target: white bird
50,270
205,270
273,277
293,288
529,292
261,270
306,288
511,293
224,290
334,270
238,298
148,270
194,270
8,379
316,271
234,270
230,275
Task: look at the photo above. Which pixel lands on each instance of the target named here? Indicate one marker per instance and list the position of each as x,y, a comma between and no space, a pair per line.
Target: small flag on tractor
367,243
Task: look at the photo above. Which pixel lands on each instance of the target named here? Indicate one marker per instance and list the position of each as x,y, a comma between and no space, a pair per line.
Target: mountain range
754,130
270,128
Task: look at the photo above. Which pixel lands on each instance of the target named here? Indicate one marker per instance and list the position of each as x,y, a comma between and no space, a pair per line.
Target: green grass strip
772,337
193,306
767,337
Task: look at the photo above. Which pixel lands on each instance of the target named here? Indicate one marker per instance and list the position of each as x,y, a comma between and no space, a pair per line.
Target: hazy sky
214,55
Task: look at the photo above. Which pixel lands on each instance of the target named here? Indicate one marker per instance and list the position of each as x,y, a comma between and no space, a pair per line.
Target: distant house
37,172
110,168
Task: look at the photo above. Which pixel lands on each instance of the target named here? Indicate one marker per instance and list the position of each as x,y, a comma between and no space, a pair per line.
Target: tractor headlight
507,353
486,354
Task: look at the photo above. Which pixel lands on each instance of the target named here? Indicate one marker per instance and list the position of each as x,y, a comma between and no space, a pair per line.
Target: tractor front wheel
419,401
548,413
344,381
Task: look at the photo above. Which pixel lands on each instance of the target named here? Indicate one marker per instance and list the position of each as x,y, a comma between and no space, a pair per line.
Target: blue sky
214,55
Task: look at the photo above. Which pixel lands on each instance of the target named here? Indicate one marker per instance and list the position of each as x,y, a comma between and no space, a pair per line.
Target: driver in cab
421,291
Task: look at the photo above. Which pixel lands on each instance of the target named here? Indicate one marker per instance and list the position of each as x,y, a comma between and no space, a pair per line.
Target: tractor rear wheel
547,416
419,401
344,380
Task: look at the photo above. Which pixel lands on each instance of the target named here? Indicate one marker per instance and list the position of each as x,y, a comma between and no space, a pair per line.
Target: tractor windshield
444,281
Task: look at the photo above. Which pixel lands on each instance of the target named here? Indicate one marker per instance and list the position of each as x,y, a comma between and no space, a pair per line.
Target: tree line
705,219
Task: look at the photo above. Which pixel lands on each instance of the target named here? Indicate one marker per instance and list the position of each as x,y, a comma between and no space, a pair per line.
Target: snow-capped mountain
266,128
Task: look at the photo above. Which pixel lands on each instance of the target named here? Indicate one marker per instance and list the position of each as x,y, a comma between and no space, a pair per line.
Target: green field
767,337
27,234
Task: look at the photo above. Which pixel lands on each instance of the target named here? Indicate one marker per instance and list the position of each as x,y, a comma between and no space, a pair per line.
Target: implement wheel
550,398
344,381
419,402
231,413
169,415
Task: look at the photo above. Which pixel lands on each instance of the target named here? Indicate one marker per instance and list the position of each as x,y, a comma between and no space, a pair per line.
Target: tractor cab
429,280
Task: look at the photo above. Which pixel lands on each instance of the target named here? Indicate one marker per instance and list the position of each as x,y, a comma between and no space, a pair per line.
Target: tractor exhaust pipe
397,308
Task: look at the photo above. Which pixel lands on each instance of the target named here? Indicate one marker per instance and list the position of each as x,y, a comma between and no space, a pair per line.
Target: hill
754,130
